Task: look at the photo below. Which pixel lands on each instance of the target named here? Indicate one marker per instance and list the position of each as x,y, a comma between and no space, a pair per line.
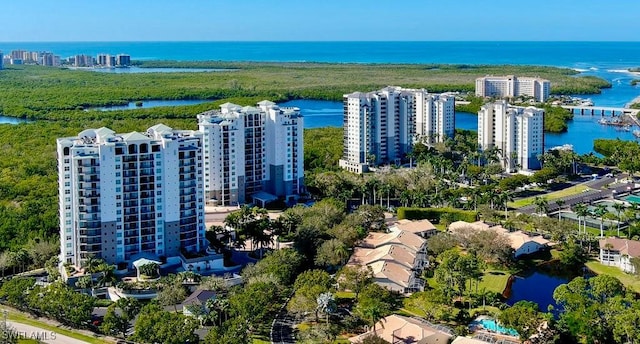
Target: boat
636,133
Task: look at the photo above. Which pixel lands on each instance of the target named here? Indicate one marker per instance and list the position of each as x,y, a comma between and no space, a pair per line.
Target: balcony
90,241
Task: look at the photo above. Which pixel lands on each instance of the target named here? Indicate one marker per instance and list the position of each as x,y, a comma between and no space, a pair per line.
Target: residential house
467,340
618,252
199,299
423,228
395,258
400,329
521,242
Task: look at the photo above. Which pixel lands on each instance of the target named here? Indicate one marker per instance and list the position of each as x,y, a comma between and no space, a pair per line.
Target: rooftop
396,236
414,227
624,246
400,329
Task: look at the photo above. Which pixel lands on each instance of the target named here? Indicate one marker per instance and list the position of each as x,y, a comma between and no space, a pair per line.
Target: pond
538,286
145,104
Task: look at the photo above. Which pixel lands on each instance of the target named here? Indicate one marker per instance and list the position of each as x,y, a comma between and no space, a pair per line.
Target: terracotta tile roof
410,240
415,226
624,246
400,329
517,238
394,272
398,253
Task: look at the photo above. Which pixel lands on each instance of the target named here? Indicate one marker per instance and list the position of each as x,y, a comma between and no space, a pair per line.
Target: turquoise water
491,325
584,55
11,120
137,70
632,199
603,59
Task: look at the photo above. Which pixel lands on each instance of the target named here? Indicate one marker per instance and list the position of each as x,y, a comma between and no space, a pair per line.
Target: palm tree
632,218
599,212
491,195
326,304
541,204
106,274
582,212
504,198
560,203
619,207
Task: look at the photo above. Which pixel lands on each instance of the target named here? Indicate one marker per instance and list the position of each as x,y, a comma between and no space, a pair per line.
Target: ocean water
582,55
608,60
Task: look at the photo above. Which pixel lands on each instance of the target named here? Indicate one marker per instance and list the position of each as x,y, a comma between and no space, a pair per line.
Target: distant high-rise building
126,195
35,57
83,61
515,132
111,61
512,86
381,126
123,60
17,54
249,150
47,59
101,59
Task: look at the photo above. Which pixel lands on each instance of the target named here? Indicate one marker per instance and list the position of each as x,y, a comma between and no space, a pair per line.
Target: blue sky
318,20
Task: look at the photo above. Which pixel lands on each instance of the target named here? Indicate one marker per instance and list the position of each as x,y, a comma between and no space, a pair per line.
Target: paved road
45,336
600,191
282,329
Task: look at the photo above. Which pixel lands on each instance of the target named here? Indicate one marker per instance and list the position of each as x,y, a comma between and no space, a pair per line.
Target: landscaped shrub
434,214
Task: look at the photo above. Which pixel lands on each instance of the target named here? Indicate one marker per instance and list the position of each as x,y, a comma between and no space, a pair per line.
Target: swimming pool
491,325
632,199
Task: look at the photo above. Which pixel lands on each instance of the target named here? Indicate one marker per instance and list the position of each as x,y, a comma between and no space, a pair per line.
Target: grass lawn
574,190
607,233
345,295
441,227
629,281
24,319
494,280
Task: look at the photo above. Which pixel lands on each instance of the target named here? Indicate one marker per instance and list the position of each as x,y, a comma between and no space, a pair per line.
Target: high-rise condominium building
123,60
125,195
83,61
381,126
513,86
515,132
252,151
101,59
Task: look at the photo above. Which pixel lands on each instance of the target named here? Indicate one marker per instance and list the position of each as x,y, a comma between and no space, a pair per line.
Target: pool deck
477,328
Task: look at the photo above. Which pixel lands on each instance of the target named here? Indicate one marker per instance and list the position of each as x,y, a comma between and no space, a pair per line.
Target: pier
601,110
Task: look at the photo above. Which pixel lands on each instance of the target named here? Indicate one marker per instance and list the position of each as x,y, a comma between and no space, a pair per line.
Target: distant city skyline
328,20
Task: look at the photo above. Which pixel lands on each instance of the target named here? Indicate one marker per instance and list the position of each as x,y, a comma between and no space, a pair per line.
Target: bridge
601,110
